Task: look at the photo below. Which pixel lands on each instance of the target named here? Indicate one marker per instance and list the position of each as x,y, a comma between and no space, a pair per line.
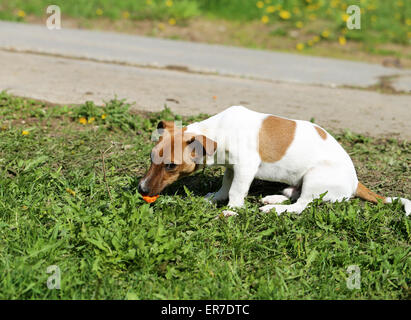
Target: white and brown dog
254,145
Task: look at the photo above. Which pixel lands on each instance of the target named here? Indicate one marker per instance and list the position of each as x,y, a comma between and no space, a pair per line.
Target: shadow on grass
200,184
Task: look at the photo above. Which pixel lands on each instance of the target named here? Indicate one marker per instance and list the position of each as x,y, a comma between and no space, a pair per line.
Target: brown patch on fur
276,135
159,178
366,194
169,128
207,145
168,125
175,147
321,132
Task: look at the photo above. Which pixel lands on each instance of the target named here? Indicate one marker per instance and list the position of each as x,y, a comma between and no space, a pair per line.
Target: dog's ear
202,146
165,128
166,125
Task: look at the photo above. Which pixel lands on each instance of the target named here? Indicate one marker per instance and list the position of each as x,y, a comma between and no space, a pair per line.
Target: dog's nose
142,189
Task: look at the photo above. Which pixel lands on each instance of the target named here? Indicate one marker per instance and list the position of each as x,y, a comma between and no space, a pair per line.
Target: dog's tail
366,194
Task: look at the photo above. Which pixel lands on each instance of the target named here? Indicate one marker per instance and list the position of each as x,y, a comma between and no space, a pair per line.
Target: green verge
56,208
381,22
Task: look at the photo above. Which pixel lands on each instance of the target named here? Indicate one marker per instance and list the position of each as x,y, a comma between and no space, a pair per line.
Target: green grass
382,21
55,209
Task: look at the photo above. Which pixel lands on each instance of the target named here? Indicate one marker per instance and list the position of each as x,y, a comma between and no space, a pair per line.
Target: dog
253,145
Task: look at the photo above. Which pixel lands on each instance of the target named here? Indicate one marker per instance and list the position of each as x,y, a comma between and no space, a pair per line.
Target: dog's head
176,154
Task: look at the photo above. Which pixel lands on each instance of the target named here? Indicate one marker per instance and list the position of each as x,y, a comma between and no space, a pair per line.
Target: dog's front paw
275,199
267,208
279,209
270,207
226,213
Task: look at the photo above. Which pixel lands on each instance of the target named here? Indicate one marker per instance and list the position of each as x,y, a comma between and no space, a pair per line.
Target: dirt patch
384,85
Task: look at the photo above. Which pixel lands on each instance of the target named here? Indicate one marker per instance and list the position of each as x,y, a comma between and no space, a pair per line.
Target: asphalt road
197,57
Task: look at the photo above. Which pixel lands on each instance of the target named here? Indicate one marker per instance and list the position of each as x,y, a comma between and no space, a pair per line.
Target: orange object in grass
150,199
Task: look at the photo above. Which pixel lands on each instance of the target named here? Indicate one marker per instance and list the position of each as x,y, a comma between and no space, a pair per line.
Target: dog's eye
170,166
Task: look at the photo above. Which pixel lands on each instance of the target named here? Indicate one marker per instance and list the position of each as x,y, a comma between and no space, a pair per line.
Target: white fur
405,202
277,198
311,165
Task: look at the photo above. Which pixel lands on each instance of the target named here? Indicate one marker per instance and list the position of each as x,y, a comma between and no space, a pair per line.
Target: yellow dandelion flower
24,207
270,9
99,12
400,3
91,120
82,120
126,14
408,22
169,3
284,14
260,4
308,1
103,116
345,17
316,39
21,14
325,34
70,191
25,133
299,24
300,46
265,19
172,21
342,41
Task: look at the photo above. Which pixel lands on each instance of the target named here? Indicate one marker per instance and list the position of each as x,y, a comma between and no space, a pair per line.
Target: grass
308,26
55,209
